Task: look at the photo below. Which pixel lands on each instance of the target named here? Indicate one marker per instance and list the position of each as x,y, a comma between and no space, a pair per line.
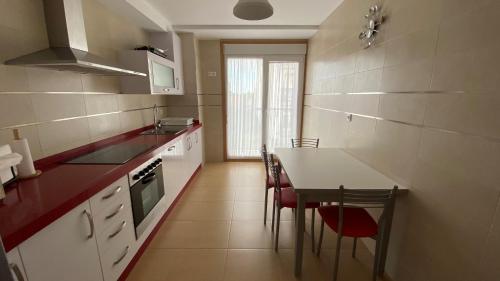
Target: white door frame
265,88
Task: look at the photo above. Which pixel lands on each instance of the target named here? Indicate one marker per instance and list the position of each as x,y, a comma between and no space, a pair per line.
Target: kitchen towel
26,168
8,160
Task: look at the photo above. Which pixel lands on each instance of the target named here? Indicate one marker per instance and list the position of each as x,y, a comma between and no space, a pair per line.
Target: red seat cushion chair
289,199
357,221
284,181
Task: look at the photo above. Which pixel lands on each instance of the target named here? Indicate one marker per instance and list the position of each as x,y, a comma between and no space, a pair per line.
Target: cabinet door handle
177,83
91,223
115,212
118,189
171,148
122,256
17,272
122,226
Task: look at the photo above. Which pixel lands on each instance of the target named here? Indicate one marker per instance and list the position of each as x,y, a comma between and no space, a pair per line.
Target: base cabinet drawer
121,228
114,192
116,259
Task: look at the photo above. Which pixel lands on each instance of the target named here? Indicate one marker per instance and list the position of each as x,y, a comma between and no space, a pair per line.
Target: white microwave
161,74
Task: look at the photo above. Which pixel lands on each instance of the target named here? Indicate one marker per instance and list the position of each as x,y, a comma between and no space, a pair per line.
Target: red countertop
30,205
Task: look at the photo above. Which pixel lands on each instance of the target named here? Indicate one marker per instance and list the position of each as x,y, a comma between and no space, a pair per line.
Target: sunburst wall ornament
374,20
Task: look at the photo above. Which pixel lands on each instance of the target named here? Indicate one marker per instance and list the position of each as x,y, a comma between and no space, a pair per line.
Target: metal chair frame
305,142
276,170
265,158
368,199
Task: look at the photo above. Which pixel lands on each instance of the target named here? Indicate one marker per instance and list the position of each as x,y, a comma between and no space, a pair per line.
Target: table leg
299,229
386,233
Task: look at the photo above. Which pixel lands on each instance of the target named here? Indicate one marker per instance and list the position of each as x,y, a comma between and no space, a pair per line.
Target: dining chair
350,218
284,182
305,142
286,198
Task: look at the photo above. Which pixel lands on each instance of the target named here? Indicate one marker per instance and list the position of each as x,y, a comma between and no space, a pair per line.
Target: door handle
17,271
149,178
91,223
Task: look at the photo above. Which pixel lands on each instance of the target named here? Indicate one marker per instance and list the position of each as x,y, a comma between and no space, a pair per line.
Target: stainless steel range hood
68,43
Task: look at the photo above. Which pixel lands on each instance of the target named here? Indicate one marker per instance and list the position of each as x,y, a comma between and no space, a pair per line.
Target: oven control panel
144,170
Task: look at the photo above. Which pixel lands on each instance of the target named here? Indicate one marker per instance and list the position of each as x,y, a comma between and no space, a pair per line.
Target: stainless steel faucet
156,121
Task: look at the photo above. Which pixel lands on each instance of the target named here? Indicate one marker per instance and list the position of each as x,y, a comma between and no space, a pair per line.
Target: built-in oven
146,191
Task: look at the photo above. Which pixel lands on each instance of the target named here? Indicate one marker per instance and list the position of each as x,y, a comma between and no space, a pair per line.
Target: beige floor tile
359,268
252,194
250,235
313,268
229,180
255,211
192,234
208,194
252,265
203,211
180,265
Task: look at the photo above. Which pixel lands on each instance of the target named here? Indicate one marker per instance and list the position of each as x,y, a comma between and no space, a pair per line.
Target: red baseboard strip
153,233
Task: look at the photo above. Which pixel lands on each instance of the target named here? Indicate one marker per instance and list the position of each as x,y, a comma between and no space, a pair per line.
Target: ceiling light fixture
253,9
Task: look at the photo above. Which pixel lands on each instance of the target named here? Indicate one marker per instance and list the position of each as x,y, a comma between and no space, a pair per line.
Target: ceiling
294,19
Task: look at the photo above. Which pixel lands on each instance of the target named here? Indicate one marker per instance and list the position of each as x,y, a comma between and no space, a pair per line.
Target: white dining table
316,174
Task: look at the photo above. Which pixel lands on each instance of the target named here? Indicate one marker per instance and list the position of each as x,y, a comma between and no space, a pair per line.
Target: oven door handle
149,178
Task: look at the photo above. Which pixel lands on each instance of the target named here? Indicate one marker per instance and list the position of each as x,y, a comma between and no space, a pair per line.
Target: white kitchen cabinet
66,250
180,160
188,155
114,227
179,70
173,169
198,148
171,43
193,152
16,265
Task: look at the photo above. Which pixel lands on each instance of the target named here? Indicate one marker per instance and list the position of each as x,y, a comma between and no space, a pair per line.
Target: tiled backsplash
56,110
426,108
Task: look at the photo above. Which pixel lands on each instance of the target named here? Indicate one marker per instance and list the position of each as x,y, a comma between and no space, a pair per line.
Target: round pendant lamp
253,9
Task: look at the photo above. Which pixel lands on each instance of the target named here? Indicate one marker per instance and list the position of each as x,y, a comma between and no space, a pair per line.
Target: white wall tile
101,127
95,104
56,137
57,106
16,109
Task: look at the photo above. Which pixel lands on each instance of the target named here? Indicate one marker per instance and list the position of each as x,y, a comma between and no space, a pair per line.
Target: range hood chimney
68,43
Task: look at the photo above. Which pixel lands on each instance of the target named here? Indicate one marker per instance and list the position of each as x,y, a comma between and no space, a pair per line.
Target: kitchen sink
166,130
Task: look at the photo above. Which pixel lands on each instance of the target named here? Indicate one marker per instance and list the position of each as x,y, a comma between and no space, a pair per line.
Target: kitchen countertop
32,204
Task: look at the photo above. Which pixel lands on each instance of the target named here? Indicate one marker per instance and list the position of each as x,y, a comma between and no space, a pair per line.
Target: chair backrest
276,171
381,199
265,158
305,142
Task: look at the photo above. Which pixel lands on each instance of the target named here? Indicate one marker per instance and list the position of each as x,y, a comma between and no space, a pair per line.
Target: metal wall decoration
374,20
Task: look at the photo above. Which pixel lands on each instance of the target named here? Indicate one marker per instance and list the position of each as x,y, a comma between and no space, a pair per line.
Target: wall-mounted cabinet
164,74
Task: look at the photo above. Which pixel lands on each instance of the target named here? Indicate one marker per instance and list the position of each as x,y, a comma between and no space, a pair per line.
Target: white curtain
282,104
244,107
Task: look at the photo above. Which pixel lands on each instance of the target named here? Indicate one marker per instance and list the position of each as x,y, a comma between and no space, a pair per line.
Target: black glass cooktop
114,154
